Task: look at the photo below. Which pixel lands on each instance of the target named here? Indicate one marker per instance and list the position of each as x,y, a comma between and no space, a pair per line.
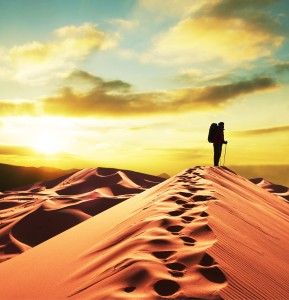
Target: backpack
212,132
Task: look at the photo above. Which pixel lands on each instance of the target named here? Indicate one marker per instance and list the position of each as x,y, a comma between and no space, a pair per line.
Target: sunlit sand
206,233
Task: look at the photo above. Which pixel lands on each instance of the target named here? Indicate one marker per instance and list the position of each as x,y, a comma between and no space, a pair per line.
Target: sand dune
34,213
205,233
276,189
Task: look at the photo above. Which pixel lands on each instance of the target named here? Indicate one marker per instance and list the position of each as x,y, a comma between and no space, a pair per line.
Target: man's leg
217,153
220,152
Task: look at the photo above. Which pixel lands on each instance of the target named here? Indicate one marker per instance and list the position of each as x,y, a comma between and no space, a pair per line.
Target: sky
135,84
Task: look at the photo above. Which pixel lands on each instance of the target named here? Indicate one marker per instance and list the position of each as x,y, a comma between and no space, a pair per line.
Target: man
218,143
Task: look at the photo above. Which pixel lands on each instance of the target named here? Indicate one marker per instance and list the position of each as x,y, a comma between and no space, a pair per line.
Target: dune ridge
206,233
31,214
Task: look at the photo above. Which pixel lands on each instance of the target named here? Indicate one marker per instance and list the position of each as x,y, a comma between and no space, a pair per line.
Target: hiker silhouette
218,142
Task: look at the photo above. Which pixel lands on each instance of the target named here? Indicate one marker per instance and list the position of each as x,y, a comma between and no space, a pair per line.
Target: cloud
16,150
106,102
18,108
31,154
255,13
37,62
245,133
207,38
101,97
126,24
282,67
197,77
97,82
98,102
216,95
211,31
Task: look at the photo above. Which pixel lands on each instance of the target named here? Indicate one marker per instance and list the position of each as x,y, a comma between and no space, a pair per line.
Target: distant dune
37,212
15,176
205,233
279,174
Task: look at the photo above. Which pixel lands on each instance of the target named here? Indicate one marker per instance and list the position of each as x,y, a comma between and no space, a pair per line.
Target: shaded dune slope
276,189
206,233
32,214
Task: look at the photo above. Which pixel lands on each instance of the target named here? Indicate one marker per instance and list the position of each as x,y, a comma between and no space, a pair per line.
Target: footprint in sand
175,229
166,287
188,205
193,189
210,270
204,214
213,274
129,289
176,212
181,202
188,241
176,269
173,198
187,219
185,194
207,260
201,198
163,254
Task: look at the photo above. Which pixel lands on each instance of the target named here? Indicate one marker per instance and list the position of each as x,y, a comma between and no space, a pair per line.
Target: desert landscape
112,116
100,233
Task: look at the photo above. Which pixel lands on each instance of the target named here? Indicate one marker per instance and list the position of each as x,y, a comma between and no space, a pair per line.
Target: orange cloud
254,132
17,108
16,150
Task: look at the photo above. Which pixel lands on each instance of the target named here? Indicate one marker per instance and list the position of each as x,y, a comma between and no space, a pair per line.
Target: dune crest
206,233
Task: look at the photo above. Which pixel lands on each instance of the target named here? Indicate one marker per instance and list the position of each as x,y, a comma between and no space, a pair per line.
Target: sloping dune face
276,189
206,233
33,214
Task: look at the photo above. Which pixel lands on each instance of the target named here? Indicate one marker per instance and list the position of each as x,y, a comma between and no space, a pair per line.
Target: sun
48,143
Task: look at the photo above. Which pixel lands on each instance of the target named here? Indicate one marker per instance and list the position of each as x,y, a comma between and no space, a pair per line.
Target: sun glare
48,143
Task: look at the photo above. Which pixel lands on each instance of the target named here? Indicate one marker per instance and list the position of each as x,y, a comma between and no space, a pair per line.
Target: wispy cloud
282,67
253,132
79,76
220,94
18,108
198,77
15,150
126,24
37,62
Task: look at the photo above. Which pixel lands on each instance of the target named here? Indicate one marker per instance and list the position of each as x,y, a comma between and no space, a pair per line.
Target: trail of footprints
207,266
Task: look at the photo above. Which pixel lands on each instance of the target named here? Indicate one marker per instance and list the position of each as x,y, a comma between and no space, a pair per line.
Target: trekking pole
225,155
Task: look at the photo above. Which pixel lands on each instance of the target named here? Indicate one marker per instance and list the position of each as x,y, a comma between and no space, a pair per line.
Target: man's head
221,124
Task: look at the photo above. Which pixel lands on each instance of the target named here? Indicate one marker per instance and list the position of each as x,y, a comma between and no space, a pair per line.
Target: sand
206,233
34,213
